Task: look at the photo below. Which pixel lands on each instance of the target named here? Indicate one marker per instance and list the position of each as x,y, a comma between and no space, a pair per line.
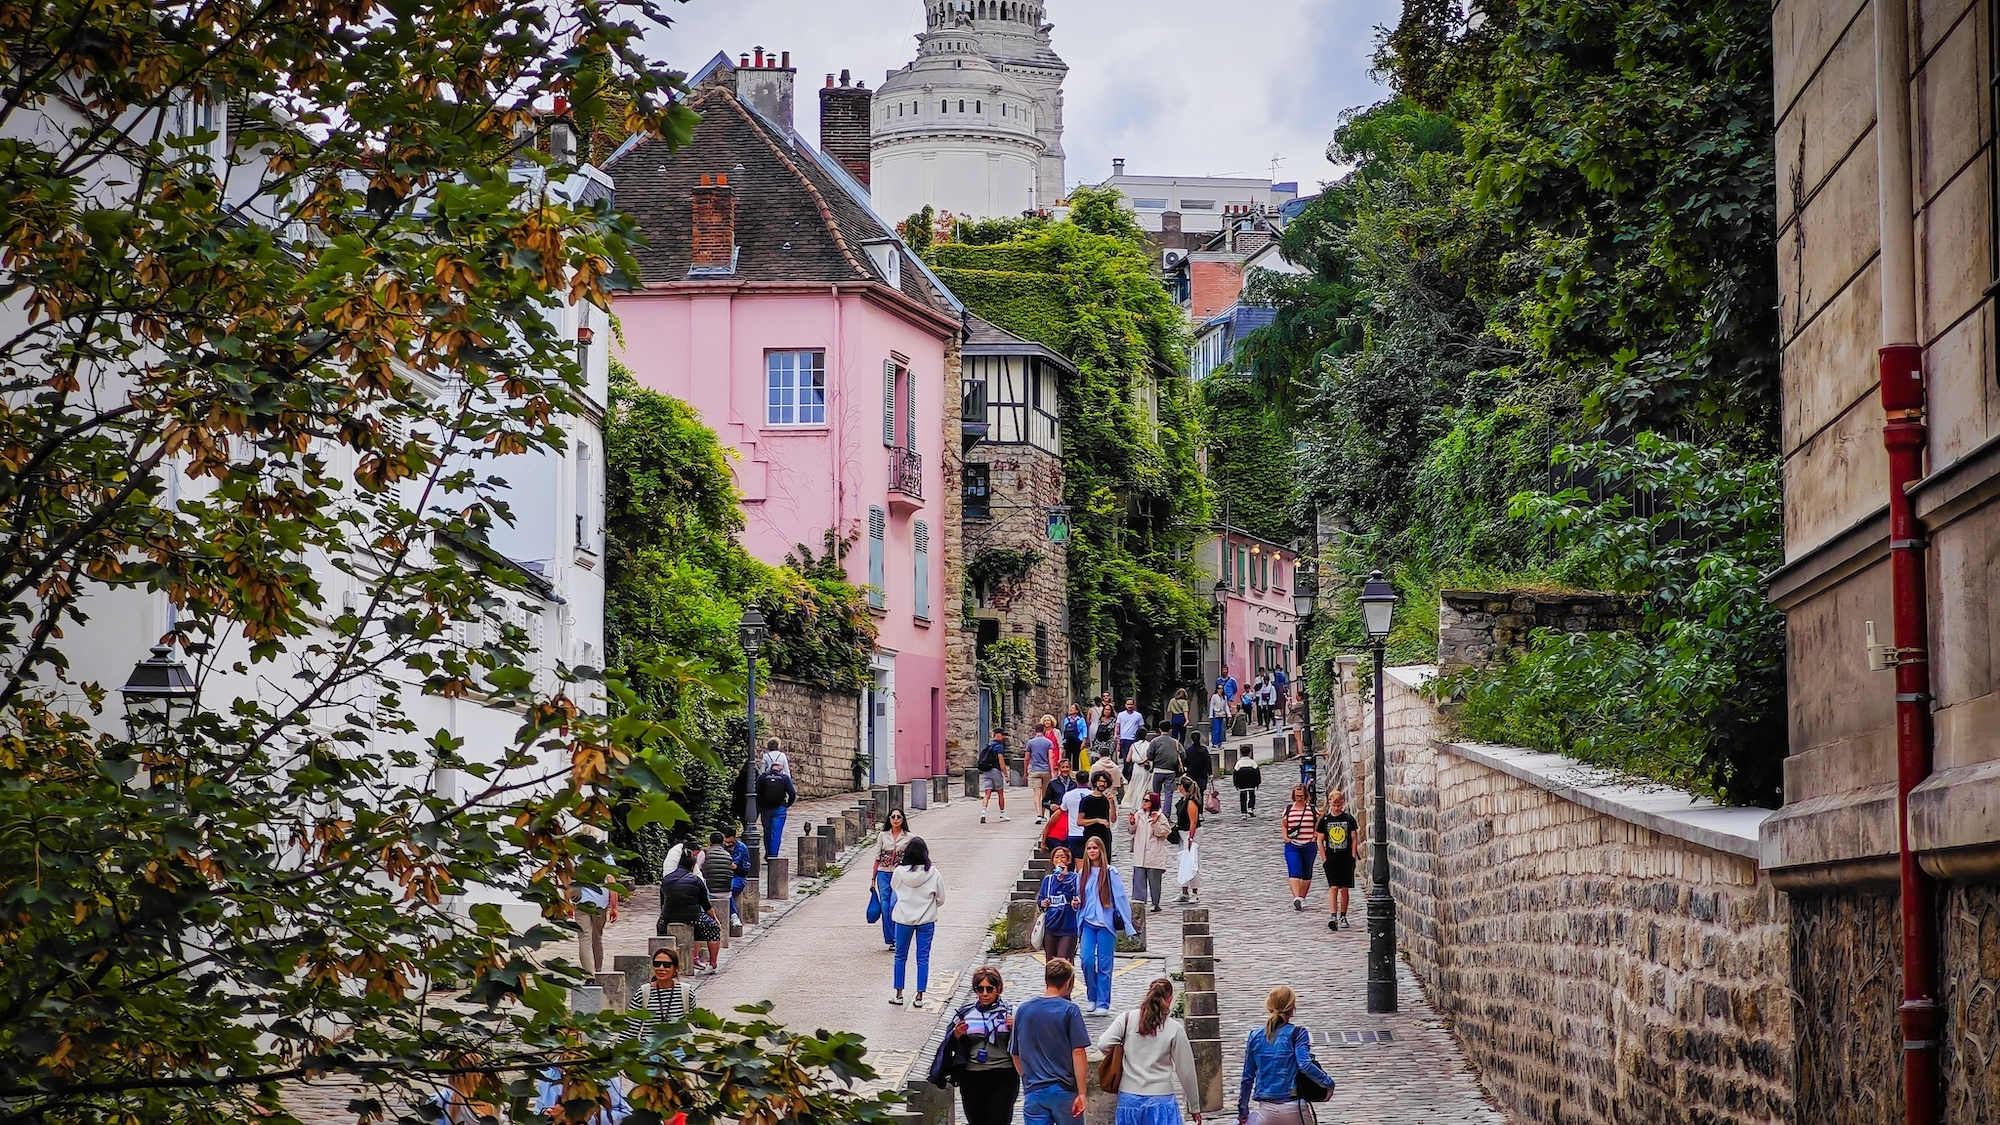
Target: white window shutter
888,402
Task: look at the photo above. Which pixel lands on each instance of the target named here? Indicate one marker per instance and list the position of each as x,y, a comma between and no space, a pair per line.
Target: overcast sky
1184,87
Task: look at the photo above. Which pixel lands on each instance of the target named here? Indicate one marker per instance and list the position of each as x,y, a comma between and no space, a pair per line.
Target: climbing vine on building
1085,287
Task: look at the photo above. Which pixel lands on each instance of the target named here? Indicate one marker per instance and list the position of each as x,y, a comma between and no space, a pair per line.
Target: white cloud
1186,87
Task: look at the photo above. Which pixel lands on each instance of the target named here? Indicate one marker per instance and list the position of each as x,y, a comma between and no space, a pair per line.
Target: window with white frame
795,388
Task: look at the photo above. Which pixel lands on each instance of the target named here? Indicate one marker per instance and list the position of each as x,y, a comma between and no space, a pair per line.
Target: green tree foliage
1249,455
1561,234
679,580
256,402
1086,288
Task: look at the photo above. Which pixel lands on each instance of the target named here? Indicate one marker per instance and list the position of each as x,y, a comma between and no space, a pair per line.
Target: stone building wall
1603,954
1479,627
1025,481
820,731
961,675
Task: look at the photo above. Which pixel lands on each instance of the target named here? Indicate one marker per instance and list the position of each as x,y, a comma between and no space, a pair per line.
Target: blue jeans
774,830
888,900
923,935
1098,946
1049,1106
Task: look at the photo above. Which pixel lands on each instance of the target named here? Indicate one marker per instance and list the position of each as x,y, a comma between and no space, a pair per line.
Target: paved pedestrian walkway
1420,1078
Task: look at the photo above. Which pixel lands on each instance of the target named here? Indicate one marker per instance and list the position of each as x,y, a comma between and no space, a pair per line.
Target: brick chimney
714,240
766,86
846,124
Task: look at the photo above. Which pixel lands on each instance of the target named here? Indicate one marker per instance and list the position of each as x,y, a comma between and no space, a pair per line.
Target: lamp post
1220,595
751,633
159,694
1305,592
1378,605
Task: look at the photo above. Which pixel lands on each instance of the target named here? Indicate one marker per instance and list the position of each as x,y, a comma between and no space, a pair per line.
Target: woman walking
988,1084
1060,897
1187,820
1075,732
888,853
918,891
1107,910
1301,845
1157,1057
1177,715
1337,830
1149,831
1279,1054
1096,809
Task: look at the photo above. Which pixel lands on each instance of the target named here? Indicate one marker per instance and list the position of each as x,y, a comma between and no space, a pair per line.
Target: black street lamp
1378,605
159,694
751,633
1305,592
1220,596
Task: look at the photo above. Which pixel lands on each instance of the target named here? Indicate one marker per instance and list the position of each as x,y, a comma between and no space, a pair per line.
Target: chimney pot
721,179
829,81
745,62
843,76
760,58
1117,165
785,59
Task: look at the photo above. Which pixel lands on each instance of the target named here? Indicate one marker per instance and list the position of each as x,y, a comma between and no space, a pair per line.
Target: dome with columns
973,125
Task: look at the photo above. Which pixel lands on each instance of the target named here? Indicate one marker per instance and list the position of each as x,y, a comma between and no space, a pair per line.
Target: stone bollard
1021,914
638,970
682,935
1193,965
586,1001
932,1106
857,825
1208,1072
880,795
829,843
941,790
1099,1108
808,855
616,991
1202,1004
1203,1027
1199,982
972,784
749,903
1195,914
1135,941
895,794
777,878
920,794
1202,946
1194,929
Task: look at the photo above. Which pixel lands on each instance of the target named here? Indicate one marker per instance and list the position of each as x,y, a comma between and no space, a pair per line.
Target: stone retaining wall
1604,954
820,730
1479,627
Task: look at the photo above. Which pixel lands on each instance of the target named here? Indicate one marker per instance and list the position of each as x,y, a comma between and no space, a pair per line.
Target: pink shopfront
805,334
1258,623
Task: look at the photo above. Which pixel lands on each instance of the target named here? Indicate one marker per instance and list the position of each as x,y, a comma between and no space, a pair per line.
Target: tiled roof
797,218
983,337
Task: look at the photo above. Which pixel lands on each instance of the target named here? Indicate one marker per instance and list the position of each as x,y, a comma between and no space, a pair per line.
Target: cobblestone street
1421,1078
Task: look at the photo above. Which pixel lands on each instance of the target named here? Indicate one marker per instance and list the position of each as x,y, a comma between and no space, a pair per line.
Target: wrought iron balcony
906,474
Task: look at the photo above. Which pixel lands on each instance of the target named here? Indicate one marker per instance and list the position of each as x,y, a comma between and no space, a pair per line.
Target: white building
974,125
1204,203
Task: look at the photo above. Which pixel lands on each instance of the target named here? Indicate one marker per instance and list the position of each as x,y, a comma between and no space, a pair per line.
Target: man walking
1048,1046
993,775
1196,763
1166,755
1041,749
1130,724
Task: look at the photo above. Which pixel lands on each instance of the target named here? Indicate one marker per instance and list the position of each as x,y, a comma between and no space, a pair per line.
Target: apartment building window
1242,569
922,534
586,532
978,491
795,388
1042,652
899,405
1150,204
878,531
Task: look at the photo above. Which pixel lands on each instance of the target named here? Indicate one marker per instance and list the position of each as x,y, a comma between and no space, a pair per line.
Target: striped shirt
1299,825
652,1005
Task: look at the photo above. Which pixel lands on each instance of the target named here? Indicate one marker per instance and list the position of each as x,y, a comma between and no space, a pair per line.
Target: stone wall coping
1413,676
1664,809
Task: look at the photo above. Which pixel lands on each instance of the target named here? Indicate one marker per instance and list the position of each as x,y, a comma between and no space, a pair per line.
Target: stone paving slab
1421,1078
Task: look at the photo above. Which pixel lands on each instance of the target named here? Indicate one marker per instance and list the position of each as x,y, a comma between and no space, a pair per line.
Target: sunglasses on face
658,965
984,988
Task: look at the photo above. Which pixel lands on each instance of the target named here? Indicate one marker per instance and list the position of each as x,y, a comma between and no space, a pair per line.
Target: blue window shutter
888,402
923,542
878,528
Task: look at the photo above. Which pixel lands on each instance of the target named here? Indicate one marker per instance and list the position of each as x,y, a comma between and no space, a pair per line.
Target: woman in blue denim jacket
1106,912
1277,1054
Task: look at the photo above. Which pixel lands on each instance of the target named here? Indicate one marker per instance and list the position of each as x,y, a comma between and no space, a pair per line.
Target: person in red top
1301,844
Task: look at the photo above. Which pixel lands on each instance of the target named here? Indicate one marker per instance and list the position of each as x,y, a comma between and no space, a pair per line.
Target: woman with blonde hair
1281,1079
1157,1055
1106,912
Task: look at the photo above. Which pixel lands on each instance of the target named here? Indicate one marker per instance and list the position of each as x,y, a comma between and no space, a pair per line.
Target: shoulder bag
1111,1068
1304,1088
874,903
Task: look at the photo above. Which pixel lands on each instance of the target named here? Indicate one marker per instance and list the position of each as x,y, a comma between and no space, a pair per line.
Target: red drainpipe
1905,435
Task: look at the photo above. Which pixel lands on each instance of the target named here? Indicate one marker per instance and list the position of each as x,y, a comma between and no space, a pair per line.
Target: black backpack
989,758
770,789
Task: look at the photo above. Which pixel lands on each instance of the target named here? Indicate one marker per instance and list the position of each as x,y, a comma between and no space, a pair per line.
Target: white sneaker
982,816
1298,904
1004,816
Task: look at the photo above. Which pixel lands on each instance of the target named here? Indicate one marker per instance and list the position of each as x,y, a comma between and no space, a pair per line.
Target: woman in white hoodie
917,889
1157,1056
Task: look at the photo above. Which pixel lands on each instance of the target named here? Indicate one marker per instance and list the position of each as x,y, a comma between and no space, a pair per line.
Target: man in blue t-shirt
1048,1046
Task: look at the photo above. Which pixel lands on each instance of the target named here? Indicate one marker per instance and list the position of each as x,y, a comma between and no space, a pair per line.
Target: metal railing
906,472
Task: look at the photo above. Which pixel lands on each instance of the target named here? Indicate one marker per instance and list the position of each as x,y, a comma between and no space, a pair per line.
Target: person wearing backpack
775,794
1247,777
993,775
1166,755
1281,1079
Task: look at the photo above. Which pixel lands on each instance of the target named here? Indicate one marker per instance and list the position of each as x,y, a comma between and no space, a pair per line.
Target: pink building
809,338
1258,622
